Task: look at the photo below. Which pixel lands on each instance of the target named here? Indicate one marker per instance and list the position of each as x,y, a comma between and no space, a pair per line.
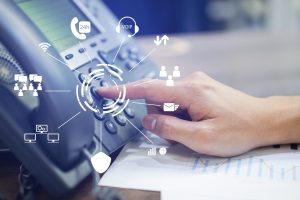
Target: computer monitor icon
29,137
41,128
53,137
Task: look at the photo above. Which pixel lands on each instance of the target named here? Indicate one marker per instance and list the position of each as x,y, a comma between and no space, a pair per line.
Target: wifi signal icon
44,46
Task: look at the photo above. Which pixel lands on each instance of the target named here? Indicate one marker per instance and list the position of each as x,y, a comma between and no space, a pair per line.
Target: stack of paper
266,173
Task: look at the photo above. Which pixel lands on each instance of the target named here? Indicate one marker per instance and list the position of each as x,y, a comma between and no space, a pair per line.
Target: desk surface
260,64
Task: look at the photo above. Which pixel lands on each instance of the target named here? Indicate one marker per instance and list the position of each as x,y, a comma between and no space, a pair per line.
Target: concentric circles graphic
111,74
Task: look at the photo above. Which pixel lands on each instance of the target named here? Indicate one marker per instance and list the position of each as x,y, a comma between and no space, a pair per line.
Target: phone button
120,119
69,56
110,127
129,112
93,44
133,50
133,56
81,50
104,57
123,55
99,116
103,83
82,77
130,64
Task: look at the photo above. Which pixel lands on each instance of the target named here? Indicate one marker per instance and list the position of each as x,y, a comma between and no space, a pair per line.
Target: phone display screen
53,19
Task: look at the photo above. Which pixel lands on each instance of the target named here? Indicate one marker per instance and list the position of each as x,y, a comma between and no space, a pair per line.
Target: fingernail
149,122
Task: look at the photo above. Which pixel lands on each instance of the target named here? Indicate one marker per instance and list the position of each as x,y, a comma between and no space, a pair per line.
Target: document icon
170,107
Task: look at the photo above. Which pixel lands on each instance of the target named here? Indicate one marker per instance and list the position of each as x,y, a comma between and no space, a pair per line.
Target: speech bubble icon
31,76
37,79
23,79
17,77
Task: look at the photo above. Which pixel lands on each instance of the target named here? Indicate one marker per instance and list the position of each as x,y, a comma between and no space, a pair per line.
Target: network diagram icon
41,130
32,83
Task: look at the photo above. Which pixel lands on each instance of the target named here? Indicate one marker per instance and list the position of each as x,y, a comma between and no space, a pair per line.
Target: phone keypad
120,119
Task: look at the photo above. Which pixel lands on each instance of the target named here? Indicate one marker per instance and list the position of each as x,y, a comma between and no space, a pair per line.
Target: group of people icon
30,88
170,80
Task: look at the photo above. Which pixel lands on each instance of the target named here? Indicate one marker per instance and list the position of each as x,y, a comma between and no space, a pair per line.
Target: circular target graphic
112,75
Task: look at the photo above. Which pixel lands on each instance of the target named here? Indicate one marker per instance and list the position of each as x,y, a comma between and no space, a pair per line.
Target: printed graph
280,164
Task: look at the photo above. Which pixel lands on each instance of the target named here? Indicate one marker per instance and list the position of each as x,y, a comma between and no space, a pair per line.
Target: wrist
280,120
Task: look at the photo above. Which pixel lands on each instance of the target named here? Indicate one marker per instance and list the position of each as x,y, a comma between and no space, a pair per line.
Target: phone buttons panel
110,127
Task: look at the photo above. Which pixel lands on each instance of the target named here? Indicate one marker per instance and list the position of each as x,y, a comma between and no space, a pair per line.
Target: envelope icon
170,107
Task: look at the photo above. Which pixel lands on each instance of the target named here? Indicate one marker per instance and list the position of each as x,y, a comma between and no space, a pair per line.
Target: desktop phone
42,40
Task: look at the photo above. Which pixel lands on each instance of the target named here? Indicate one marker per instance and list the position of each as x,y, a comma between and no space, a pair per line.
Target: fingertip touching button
95,94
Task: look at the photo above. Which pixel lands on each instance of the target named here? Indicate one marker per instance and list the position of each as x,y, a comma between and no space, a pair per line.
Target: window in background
180,16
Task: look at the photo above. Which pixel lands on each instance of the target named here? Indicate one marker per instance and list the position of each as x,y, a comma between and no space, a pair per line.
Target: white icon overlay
41,129
170,107
127,27
152,151
84,96
80,32
31,83
44,46
163,40
170,78
162,151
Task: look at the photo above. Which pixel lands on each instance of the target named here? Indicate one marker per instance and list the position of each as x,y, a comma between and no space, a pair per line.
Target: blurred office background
180,16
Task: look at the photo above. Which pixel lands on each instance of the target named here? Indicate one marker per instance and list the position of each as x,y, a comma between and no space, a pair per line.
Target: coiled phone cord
28,185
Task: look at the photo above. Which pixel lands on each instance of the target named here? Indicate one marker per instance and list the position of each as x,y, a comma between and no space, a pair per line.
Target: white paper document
266,173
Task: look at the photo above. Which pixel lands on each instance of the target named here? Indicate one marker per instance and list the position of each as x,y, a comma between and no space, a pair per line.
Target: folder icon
170,107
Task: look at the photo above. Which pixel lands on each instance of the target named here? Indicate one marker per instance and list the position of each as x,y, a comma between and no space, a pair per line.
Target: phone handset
74,30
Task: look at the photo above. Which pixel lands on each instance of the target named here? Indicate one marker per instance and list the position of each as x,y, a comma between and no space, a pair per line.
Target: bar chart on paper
281,164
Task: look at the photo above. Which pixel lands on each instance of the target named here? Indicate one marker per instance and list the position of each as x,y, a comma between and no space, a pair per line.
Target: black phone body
24,25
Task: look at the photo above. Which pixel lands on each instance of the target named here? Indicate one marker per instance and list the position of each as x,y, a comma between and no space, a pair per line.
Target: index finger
152,90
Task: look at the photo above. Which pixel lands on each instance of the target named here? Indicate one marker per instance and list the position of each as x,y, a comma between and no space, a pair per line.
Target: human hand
212,118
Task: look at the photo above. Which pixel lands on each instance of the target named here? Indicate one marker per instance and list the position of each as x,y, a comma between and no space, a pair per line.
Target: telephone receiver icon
74,30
